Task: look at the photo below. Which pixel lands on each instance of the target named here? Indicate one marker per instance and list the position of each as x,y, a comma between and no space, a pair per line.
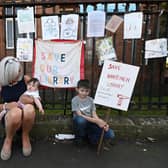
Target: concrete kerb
124,127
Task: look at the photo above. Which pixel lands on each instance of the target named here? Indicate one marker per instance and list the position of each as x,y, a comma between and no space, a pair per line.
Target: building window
9,34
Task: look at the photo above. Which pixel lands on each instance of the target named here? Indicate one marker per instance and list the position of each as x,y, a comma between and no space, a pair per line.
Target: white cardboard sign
116,85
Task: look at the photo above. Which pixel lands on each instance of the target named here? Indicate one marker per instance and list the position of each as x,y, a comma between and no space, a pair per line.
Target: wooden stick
102,134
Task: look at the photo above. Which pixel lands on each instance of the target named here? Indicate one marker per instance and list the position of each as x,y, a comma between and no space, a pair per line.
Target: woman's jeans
84,129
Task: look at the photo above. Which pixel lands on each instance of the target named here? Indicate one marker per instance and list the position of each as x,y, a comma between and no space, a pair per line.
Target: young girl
32,92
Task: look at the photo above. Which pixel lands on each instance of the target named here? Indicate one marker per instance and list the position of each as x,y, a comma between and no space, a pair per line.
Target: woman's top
12,93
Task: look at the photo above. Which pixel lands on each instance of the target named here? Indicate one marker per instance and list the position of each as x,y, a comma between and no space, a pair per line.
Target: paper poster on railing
59,64
114,23
25,18
116,85
50,27
156,48
96,24
69,26
105,49
133,25
24,49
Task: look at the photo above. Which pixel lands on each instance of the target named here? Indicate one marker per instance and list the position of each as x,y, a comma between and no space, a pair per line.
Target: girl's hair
10,68
34,81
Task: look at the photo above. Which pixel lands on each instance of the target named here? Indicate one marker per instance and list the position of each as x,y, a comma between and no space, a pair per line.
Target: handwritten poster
69,26
24,49
116,85
25,20
59,64
133,25
50,27
105,49
156,48
96,24
114,23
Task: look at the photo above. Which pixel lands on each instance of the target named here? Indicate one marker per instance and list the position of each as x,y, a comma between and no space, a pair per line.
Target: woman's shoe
5,155
27,151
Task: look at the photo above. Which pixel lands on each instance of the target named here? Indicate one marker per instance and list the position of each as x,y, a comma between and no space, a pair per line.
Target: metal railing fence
151,90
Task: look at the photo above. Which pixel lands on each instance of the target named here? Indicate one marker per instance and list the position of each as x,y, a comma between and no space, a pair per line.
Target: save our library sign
116,84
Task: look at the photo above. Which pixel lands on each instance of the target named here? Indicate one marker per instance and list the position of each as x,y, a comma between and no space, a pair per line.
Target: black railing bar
151,74
160,65
167,25
3,17
14,32
65,101
93,63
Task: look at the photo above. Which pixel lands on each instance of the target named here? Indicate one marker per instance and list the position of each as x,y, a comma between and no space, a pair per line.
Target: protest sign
59,64
114,23
133,25
50,27
25,18
156,48
96,24
116,85
69,26
24,49
105,49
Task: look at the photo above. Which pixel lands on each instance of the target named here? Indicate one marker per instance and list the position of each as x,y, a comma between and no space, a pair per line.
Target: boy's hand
100,123
79,113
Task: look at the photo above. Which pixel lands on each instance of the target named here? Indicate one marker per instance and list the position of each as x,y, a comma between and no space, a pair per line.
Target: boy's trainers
108,143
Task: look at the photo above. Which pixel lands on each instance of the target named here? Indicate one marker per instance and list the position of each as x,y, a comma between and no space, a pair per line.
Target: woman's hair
10,69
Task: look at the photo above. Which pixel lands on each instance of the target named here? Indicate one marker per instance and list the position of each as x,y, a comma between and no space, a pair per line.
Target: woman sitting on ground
13,85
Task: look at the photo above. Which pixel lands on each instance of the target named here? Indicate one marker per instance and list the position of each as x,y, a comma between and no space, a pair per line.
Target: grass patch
102,112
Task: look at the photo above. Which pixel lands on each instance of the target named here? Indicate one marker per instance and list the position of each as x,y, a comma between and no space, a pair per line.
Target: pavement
50,153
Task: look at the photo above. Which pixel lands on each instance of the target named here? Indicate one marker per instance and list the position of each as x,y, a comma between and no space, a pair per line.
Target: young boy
33,92
87,124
